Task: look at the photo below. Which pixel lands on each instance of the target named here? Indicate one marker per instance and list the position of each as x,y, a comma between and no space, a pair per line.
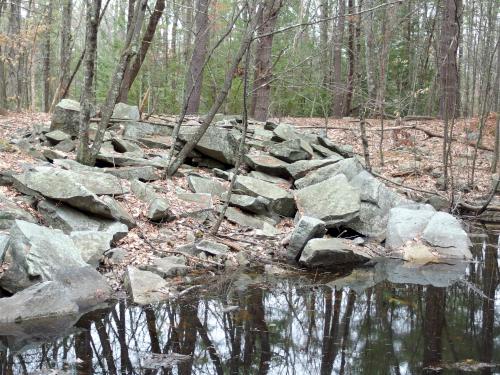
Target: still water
391,318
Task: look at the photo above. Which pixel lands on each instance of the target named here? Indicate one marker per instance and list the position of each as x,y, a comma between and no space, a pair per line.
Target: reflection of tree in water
285,327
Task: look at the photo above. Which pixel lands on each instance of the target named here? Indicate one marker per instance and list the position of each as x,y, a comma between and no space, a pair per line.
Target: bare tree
337,84
221,97
135,66
194,76
47,47
261,92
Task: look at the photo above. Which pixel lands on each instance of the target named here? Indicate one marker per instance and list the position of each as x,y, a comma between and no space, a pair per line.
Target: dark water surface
392,318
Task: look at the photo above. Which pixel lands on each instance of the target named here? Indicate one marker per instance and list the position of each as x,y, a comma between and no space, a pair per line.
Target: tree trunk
65,52
188,28
88,94
46,59
133,69
323,38
13,87
194,77
261,92
448,70
3,82
337,84
352,60
221,97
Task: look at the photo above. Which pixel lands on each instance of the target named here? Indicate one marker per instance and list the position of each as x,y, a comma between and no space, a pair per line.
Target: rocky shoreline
299,200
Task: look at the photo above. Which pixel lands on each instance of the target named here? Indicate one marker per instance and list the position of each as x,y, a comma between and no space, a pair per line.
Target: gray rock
281,182
281,201
376,202
146,173
405,224
36,254
92,245
50,154
306,229
127,159
446,235
159,210
256,205
199,206
137,129
285,132
42,301
267,164
124,111
117,255
144,287
66,117
349,167
236,216
143,192
330,252
200,184
300,168
57,136
4,243
343,150
217,143
51,182
123,145
163,143
325,152
290,151
334,201
9,212
68,219
212,248
65,146
169,266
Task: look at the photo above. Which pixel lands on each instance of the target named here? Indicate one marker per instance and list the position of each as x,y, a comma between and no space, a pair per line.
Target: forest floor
412,160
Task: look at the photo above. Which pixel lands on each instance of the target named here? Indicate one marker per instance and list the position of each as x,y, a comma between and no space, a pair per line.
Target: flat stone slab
281,201
331,252
9,212
306,229
348,167
300,168
333,201
201,184
267,164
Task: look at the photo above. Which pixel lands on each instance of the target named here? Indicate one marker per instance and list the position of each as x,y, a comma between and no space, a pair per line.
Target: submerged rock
330,252
144,287
439,230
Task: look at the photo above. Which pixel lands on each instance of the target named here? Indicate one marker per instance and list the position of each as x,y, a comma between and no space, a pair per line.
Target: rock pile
288,174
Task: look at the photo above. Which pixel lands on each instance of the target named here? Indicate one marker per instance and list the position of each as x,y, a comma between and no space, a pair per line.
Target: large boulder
142,173
348,167
92,245
66,117
201,184
42,301
440,232
218,143
267,164
262,225
78,189
300,168
405,224
68,219
9,212
124,111
376,202
281,201
37,254
333,200
285,132
306,229
291,151
331,252
445,234
144,287
257,205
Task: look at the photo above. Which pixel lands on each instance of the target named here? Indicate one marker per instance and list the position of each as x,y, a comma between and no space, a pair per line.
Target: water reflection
387,319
